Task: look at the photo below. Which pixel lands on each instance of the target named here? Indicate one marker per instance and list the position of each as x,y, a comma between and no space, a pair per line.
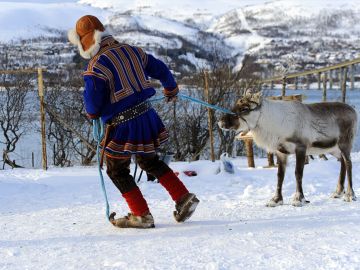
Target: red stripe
170,92
92,116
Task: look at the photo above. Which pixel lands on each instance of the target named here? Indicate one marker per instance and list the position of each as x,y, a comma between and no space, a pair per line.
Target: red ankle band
136,202
173,185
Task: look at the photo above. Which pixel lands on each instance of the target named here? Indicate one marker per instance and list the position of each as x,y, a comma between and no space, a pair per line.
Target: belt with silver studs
130,114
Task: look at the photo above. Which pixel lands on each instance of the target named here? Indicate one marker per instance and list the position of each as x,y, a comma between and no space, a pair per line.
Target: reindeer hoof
274,202
349,197
337,195
299,202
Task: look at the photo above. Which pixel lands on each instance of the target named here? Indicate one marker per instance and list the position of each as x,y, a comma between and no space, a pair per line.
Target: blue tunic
116,79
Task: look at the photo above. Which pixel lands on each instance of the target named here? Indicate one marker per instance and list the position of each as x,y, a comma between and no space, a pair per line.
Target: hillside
302,34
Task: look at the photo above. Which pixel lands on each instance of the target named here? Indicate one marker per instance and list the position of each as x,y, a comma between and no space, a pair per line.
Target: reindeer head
246,112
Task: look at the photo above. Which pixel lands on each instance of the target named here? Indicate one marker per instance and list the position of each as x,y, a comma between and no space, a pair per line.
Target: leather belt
130,114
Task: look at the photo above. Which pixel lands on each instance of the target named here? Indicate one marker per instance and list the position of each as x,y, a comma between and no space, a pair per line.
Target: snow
144,40
55,220
28,19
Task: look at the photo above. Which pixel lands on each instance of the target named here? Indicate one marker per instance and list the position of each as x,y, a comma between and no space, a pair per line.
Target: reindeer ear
257,97
248,94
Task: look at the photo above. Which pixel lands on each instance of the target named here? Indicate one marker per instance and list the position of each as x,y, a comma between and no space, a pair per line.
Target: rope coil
98,133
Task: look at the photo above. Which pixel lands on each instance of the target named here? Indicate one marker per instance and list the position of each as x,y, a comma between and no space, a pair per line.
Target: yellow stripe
139,69
130,73
108,73
126,88
100,76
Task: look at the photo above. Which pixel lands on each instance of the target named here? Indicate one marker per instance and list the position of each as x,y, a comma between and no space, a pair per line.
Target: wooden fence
324,75
39,72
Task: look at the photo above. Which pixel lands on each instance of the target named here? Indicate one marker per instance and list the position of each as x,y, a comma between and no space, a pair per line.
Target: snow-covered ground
55,220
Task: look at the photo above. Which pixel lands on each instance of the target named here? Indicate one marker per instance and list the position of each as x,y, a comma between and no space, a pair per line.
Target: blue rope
217,108
156,99
98,133
195,100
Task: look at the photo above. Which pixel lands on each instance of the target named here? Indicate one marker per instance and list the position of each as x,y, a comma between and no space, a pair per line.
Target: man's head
87,35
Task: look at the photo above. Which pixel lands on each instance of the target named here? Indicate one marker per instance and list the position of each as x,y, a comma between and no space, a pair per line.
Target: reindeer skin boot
185,207
185,202
132,221
140,216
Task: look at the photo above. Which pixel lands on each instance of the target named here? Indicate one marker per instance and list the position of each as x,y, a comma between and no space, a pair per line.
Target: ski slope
55,220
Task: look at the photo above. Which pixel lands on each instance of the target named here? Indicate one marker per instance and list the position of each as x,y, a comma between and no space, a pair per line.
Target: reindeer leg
299,198
350,194
278,199
340,186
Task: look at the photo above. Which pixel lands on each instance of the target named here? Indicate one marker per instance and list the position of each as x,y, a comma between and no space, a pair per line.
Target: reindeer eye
244,111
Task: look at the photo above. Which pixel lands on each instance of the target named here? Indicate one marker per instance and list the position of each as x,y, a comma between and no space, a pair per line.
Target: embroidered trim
168,92
117,149
143,55
129,63
125,89
92,116
138,68
125,61
98,75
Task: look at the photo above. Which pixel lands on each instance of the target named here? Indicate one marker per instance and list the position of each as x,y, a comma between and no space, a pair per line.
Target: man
117,88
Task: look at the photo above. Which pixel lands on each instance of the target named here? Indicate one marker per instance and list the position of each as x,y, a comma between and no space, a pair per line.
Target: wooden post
210,118
272,85
32,160
296,83
324,86
54,154
331,79
343,85
42,117
340,71
319,80
250,152
352,70
283,91
307,82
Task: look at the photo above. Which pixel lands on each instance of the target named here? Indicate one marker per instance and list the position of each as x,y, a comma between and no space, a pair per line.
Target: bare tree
188,122
12,113
74,140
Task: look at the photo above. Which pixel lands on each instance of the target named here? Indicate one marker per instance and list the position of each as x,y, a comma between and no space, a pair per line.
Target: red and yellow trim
121,150
170,92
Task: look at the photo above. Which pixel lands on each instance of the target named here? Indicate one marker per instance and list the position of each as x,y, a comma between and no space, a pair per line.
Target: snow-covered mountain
305,32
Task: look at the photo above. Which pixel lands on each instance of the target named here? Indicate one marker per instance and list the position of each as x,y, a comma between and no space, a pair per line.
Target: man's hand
171,99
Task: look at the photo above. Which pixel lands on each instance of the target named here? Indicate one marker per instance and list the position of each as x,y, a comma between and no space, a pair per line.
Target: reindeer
291,127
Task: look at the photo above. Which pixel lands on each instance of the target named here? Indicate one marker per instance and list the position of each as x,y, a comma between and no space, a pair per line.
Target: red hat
87,35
